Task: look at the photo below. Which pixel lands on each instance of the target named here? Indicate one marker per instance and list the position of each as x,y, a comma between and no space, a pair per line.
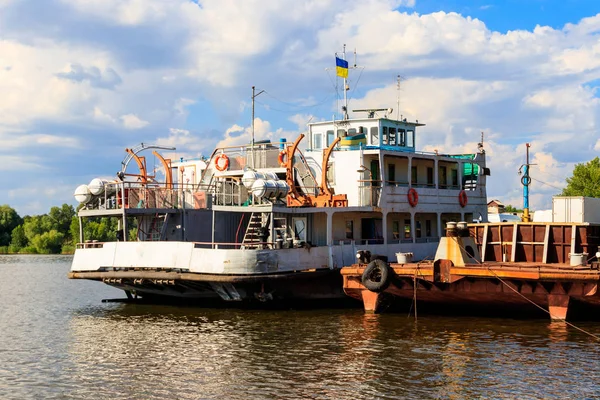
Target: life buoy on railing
221,166
413,197
282,158
462,198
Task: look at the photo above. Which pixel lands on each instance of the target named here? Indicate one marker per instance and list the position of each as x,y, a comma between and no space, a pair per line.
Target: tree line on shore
56,232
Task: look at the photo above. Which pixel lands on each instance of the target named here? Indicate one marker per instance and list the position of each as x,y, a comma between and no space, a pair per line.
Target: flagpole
345,86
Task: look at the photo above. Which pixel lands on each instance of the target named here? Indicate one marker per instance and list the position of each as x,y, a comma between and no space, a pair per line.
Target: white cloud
86,71
132,121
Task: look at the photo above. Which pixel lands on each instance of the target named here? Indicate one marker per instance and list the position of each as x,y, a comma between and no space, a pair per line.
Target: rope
520,294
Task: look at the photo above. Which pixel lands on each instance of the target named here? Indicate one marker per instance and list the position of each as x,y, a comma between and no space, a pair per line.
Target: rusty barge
495,266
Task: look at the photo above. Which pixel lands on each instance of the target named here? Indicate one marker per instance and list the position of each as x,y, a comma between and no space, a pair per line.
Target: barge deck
495,266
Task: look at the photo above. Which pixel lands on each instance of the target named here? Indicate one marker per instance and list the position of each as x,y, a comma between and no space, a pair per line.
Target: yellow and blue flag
341,67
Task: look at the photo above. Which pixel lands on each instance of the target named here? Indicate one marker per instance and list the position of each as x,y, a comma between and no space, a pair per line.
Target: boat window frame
318,137
392,136
330,134
374,136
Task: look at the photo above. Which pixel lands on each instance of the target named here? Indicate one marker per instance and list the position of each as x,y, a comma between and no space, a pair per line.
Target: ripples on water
57,340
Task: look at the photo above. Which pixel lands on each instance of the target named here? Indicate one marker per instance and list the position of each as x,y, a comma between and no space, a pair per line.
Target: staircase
254,236
156,228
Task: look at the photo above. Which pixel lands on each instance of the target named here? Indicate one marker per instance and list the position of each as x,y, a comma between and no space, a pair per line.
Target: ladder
255,232
157,228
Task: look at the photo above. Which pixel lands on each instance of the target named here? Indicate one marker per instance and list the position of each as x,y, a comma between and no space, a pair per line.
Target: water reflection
59,341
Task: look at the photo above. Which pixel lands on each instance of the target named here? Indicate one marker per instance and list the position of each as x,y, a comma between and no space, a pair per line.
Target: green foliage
585,180
60,218
19,240
9,220
102,230
48,242
55,232
511,209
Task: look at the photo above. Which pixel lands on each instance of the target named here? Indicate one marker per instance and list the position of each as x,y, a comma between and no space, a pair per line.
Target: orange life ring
282,154
218,165
462,198
413,197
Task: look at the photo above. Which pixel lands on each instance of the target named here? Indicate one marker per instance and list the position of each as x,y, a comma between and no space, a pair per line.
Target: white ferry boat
267,222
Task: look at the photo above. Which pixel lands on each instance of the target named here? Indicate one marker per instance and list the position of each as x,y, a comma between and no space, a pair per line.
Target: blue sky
84,79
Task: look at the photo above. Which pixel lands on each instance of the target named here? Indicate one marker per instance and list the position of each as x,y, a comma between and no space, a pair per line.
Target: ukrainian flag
341,67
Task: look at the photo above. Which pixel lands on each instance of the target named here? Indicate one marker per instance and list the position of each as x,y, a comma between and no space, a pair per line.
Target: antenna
346,88
398,103
253,97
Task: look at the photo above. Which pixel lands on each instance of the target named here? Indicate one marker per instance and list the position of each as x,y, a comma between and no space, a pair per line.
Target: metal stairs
156,228
254,237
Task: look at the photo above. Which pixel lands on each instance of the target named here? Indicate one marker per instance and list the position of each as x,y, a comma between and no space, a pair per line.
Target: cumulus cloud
132,121
108,79
101,75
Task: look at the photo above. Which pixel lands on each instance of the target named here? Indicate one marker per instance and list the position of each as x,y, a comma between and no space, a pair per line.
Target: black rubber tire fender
377,276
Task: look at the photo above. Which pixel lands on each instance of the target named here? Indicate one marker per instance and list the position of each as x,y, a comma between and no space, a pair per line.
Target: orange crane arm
168,170
141,162
324,186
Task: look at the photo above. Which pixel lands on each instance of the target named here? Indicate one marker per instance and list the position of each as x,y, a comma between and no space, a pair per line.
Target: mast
252,146
345,107
398,101
526,180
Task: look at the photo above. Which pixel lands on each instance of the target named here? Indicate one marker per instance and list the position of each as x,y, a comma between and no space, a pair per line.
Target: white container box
575,209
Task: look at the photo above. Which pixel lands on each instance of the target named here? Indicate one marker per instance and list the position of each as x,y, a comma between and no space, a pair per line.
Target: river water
58,340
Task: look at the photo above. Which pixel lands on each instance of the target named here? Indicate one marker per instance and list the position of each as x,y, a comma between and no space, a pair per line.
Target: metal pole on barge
525,180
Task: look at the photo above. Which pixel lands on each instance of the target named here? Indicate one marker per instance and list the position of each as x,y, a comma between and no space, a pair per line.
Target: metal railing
130,195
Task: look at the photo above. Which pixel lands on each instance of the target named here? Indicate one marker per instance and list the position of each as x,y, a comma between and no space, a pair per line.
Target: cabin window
454,177
407,234
418,228
443,178
430,176
410,138
330,137
428,227
413,175
384,135
362,129
341,133
391,178
318,141
349,229
392,135
401,137
351,131
299,229
374,136
396,230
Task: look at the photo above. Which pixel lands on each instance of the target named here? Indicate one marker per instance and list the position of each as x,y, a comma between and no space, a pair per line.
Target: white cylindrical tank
270,175
282,189
269,189
264,189
250,177
82,194
97,186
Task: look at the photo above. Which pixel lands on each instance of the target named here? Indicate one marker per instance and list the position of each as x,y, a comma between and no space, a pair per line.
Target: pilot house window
374,136
318,141
392,136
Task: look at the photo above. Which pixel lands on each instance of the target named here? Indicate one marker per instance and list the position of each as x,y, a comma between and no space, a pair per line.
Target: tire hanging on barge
377,276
